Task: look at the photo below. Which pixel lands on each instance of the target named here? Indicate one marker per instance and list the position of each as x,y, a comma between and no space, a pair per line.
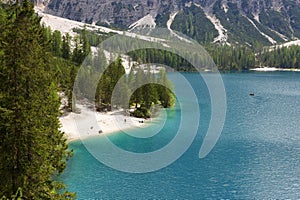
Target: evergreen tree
165,89
86,48
56,43
77,55
150,95
108,82
138,94
66,50
32,148
121,94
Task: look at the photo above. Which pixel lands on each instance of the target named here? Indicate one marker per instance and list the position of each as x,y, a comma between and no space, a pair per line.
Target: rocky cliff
234,21
122,13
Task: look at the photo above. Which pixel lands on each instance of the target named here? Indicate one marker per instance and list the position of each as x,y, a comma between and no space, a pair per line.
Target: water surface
256,157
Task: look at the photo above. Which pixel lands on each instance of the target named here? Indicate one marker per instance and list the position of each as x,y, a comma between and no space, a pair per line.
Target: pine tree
149,91
107,83
32,148
165,89
66,49
56,43
86,48
138,94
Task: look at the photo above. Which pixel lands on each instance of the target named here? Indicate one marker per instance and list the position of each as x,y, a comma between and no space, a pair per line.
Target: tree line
284,57
232,58
226,58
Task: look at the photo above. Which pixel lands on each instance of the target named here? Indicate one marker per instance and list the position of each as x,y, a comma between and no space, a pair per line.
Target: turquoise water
256,157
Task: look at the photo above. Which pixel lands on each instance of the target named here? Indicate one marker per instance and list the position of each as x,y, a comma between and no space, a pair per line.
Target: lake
256,157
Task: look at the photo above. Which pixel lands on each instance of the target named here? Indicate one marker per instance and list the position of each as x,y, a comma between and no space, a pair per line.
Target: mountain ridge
251,22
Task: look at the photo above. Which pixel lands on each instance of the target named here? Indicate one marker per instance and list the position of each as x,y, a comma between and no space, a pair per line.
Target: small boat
251,94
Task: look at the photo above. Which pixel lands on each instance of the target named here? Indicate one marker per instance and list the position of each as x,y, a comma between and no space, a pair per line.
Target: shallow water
256,157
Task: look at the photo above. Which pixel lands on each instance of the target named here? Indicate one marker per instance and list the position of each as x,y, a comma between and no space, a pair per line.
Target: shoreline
274,69
88,123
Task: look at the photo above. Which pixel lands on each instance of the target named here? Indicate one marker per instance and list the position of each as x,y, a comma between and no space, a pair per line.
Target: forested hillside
236,33
251,23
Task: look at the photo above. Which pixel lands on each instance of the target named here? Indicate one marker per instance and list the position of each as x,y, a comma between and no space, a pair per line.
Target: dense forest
225,57
285,57
32,149
193,22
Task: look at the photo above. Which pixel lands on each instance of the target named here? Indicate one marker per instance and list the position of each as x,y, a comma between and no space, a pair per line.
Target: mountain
251,22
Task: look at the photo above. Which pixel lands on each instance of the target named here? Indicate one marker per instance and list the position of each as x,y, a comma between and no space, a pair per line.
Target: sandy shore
273,69
88,123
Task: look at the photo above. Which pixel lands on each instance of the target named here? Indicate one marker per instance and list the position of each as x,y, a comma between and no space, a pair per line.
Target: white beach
88,123
273,69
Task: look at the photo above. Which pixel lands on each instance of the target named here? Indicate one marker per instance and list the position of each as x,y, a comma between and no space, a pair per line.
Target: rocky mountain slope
251,22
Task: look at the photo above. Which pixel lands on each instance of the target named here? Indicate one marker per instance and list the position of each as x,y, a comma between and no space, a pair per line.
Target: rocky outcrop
41,2
247,21
123,12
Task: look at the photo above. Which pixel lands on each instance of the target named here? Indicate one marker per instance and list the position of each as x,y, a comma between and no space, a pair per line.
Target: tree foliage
193,22
150,89
232,58
32,147
285,57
